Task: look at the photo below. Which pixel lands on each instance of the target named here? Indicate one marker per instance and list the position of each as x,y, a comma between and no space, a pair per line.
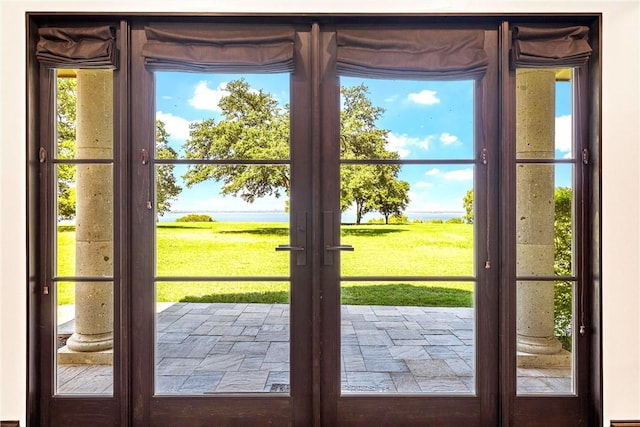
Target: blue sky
425,120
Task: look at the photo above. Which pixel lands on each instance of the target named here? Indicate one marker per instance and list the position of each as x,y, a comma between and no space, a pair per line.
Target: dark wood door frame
254,409
481,409
316,398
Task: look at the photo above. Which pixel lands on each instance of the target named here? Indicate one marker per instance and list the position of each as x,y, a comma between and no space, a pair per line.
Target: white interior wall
620,146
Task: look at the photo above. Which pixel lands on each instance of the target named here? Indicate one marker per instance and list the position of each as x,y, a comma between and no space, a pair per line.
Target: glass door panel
222,184
83,240
407,173
547,186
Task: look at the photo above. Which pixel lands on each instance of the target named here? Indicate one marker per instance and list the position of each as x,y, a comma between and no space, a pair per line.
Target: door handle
339,248
299,238
331,229
289,248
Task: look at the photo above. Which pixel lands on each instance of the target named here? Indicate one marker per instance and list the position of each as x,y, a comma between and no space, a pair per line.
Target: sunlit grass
248,249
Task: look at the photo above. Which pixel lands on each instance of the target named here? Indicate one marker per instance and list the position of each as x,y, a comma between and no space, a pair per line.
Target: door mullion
142,244
302,354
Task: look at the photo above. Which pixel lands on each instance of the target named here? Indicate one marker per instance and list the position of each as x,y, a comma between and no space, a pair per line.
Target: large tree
66,115
370,187
254,126
392,197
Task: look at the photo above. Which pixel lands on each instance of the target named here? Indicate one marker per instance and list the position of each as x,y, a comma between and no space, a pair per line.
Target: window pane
403,119
411,216
84,338
207,233
222,116
84,242
84,114
544,127
230,337
545,339
416,337
544,210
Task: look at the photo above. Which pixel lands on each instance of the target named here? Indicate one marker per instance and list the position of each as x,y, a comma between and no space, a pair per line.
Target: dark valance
219,48
411,53
544,47
77,47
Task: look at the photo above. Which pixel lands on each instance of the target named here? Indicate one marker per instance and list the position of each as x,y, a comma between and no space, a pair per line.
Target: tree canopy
66,146
255,127
167,189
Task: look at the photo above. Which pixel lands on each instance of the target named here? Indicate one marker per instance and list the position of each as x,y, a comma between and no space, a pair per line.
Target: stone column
535,211
94,212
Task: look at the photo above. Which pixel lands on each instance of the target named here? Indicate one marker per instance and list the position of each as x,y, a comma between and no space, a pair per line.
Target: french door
333,222
305,356
405,362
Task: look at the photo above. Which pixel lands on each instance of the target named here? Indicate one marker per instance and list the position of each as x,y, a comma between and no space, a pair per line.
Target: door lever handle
340,248
289,248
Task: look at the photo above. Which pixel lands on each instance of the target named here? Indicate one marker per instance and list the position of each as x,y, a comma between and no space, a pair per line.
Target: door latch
300,238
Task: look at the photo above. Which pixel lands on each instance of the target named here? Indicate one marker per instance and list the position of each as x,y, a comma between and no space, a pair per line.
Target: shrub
563,296
195,218
398,219
455,221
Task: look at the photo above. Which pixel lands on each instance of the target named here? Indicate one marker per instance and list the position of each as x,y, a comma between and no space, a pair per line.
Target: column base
538,345
541,352
90,342
71,357
562,359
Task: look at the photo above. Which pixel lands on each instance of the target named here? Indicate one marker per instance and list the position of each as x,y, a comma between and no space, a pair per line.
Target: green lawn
248,249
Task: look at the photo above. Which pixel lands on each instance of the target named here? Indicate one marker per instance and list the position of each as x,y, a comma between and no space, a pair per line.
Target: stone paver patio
226,348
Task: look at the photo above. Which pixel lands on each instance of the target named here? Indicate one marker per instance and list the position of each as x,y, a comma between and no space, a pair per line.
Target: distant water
232,216
284,216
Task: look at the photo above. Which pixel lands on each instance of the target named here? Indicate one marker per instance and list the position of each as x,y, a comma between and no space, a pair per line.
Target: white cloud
447,139
425,97
432,172
176,127
459,175
205,98
402,143
392,98
423,184
397,143
563,134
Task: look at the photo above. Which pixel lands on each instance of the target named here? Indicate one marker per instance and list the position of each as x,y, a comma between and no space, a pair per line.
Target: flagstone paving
227,348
